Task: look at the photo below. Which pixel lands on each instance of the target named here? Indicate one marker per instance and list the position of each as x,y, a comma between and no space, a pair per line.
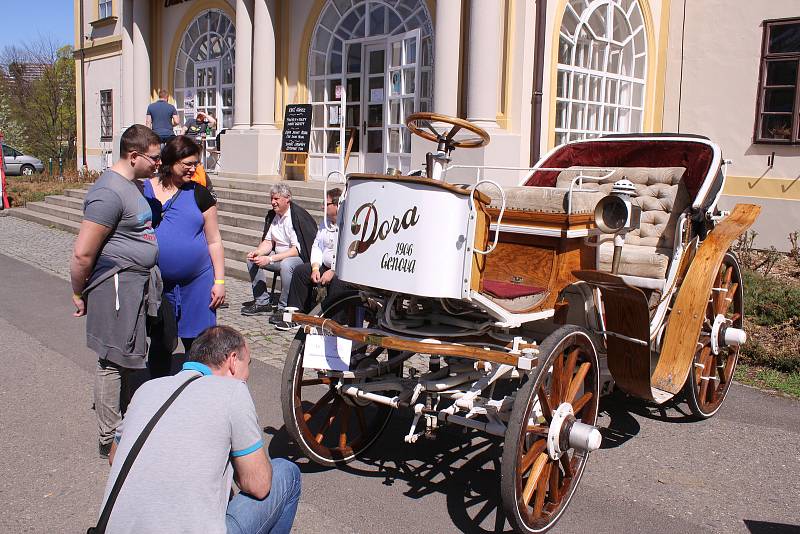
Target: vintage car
607,267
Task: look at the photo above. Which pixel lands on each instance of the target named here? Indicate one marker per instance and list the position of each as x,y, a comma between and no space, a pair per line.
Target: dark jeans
301,292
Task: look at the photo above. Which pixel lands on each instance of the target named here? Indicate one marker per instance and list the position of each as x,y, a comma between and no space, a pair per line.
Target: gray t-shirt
181,479
117,203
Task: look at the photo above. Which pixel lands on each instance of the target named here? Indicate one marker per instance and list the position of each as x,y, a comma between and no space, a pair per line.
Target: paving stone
50,249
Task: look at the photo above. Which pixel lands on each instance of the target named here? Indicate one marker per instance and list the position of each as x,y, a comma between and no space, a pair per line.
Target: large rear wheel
541,468
714,362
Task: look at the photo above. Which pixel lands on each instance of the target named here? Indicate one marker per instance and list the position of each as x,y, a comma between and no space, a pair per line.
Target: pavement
657,472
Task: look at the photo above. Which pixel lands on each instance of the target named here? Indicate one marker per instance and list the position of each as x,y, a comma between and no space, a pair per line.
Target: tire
317,416
27,170
704,399
559,379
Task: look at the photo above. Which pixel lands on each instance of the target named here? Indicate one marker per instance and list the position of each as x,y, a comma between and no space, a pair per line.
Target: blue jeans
275,513
258,279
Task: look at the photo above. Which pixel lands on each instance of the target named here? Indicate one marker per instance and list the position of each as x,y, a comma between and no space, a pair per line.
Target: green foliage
768,301
37,99
788,383
785,361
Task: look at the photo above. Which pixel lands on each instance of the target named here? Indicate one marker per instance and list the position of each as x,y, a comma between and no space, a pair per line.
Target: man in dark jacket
289,233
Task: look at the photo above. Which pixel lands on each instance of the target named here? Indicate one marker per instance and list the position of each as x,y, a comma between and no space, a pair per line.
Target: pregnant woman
191,256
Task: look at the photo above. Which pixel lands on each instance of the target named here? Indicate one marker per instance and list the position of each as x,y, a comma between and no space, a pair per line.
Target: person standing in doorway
162,117
110,271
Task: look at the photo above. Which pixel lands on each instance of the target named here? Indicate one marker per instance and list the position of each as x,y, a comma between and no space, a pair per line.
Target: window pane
375,115
353,115
376,61
395,55
778,100
375,141
409,78
784,38
782,72
354,58
333,142
394,140
376,20
317,138
776,127
318,90
353,89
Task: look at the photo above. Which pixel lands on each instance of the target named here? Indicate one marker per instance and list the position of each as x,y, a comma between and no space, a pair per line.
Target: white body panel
414,238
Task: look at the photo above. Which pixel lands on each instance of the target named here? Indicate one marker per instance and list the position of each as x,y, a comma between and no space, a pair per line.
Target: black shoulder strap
132,454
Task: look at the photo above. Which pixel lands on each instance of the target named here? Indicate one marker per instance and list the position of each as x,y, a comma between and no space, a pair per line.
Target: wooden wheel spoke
567,465
328,420
555,381
346,410
541,488
315,381
319,404
578,405
533,479
725,304
539,430
707,362
547,410
735,317
577,381
531,455
725,373
555,480
572,360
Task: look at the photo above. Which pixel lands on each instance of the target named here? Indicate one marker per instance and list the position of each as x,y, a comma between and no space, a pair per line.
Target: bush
768,301
785,361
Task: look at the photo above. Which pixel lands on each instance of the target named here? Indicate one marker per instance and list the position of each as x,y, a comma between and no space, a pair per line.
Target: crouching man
209,436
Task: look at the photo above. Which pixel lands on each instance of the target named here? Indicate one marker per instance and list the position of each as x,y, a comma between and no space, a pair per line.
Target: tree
37,91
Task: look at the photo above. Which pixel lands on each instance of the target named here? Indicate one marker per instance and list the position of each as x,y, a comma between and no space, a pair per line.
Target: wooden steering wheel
421,124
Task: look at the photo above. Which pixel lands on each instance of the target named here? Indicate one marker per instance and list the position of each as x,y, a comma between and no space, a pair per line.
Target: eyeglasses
189,164
152,159
331,204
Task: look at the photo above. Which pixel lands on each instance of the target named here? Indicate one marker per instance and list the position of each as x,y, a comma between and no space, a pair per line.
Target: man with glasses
110,269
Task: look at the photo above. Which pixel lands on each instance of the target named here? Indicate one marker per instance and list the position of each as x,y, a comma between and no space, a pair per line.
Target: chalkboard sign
296,128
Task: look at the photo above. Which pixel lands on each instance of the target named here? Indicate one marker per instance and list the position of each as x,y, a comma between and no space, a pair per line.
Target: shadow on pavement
767,527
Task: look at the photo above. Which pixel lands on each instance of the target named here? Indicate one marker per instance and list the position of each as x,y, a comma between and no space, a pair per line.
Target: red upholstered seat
507,290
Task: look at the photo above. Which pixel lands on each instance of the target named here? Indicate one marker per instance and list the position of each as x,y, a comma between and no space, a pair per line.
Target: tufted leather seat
662,196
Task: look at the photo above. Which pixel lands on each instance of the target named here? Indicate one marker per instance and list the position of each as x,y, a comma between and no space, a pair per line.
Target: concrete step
68,219
311,188
252,204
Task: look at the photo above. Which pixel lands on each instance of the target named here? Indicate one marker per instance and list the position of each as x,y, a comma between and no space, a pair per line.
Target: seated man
318,271
209,436
289,231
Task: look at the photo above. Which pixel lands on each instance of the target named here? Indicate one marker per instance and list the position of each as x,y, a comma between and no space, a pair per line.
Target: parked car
18,163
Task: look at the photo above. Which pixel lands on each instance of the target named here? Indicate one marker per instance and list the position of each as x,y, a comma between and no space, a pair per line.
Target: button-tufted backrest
659,192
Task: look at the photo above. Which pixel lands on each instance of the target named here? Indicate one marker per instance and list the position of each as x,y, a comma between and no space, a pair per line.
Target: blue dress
184,259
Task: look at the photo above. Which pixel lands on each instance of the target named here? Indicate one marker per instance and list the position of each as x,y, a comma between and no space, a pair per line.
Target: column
483,62
447,47
141,59
126,81
243,67
264,64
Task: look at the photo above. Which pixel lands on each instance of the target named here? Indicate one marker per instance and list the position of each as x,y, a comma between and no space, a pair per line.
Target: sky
25,20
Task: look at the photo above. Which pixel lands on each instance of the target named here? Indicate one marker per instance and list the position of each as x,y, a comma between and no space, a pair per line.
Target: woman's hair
176,149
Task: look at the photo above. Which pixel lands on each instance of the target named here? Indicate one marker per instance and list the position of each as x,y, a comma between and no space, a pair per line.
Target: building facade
534,74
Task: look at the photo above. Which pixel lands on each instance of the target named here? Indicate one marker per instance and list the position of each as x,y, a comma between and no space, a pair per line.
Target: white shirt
324,246
282,234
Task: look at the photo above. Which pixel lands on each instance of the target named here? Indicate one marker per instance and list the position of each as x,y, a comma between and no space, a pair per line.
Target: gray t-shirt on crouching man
116,291
181,479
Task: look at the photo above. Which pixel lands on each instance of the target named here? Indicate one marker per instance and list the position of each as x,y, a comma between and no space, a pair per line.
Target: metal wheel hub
566,432
724,335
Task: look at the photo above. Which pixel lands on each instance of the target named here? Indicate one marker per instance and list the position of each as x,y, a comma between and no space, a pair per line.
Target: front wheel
330,428
26,170
540,469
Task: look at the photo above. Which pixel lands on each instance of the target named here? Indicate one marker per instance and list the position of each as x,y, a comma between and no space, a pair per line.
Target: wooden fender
686,318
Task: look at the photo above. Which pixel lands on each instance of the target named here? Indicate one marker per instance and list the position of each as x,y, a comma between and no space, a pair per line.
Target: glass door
373,108
207,89
403,76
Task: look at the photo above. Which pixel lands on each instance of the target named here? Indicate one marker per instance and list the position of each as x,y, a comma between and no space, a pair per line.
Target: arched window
204,68
602,67
381,52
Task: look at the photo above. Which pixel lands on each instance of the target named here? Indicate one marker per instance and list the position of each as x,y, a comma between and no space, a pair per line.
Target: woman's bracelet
219,282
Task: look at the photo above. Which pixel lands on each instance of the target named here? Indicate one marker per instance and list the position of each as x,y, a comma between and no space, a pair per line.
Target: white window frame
591,98
411,14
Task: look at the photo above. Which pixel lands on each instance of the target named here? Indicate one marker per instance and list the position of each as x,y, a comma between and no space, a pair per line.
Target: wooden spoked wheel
330,428
713,366
458,135
536,488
